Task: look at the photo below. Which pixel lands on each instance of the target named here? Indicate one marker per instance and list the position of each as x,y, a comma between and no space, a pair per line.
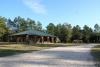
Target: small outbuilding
33,36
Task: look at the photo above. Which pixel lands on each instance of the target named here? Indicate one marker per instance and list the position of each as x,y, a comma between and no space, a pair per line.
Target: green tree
77,33
96,28
67,31
39,26
96,35
64,32
58,33
3,28
22,24
31,24
57,30
87,31
51,28
11,25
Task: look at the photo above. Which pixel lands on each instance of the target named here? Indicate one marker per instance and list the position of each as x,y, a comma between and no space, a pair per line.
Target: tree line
65,32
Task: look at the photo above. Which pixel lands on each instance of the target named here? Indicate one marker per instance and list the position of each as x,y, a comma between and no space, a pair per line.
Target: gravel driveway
76,56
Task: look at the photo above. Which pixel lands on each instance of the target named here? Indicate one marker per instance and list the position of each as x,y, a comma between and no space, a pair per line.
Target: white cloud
35,5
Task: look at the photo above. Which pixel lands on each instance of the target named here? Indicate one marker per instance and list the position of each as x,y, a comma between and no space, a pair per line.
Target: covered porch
33,36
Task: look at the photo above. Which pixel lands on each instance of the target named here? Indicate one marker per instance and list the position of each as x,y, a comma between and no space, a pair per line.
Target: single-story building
33,36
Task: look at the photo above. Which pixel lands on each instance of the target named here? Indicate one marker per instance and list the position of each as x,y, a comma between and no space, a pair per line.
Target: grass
46,45
96,53
9,52
13,49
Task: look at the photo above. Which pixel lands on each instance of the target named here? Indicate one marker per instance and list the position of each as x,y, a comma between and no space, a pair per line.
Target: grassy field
13,49
96,52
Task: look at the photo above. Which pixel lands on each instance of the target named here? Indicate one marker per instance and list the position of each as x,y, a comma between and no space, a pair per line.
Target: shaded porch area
33,36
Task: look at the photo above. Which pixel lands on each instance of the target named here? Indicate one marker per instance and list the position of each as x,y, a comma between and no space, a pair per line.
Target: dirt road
76,56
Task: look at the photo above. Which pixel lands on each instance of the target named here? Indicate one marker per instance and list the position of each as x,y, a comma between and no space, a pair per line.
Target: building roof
33,32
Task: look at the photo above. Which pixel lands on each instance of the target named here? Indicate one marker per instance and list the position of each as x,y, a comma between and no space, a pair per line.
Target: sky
74,12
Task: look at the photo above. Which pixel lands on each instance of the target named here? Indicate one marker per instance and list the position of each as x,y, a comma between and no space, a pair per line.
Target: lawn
96,53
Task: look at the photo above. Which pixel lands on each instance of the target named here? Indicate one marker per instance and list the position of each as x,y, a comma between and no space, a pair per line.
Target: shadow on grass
10,52
45,45
95,52
51,45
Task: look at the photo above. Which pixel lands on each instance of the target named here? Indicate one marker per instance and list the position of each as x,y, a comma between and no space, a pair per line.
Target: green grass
9,52
96,52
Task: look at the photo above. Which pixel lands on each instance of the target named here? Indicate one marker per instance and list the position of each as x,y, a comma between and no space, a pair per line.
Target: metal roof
33,32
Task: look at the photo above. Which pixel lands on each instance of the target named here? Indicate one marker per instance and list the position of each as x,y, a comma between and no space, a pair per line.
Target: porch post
42,39
27,39
52,39
55,39
48,39
36,39
17,39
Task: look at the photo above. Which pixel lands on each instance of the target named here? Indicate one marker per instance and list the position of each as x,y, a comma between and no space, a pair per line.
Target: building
33,36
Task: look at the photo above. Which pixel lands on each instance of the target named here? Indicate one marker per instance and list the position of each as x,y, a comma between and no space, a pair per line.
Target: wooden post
52,39
35,38
38,41
42,39
17,40
55,39
48,39
27,39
